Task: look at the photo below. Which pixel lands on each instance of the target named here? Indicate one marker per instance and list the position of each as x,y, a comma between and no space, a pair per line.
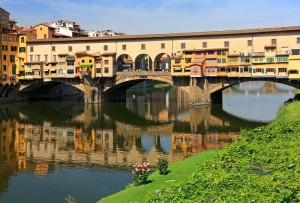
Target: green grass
178,172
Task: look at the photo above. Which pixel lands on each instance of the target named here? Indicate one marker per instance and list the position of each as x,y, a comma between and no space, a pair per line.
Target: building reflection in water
38,137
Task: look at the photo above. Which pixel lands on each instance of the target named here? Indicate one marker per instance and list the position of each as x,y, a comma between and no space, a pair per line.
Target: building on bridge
234,53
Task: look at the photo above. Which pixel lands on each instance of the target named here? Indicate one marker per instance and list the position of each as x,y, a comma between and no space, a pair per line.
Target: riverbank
263,166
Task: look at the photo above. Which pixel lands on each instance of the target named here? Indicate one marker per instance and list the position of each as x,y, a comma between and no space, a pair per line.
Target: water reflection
256,101
44,137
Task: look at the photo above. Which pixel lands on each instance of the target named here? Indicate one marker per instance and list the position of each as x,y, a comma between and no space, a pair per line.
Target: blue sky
158,16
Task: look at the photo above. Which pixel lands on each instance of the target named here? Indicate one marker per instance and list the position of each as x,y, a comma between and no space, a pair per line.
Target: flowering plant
140,173
162,165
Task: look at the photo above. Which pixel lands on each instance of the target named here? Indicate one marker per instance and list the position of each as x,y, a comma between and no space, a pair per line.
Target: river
52,149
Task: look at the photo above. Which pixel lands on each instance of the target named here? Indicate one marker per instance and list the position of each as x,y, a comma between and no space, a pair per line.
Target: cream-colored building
145,51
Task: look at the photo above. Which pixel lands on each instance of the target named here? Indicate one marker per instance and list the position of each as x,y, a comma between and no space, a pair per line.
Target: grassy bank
178,173
263,167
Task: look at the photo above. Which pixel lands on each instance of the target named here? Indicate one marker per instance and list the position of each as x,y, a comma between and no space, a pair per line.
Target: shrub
140,173
162,165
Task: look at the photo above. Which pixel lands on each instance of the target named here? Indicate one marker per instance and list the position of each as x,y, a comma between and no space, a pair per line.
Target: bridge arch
124,63
143,62
52,90
118,91
162,62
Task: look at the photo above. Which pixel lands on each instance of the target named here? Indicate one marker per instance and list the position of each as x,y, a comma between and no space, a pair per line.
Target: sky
158,16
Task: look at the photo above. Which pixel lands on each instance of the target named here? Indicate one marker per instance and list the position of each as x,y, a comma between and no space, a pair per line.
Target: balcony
283,53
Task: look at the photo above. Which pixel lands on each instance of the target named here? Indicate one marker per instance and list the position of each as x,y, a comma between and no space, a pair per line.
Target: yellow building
294,65
44,31
9,55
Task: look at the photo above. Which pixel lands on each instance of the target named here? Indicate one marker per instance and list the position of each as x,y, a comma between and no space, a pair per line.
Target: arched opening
124,63
162,62
143,62
52,91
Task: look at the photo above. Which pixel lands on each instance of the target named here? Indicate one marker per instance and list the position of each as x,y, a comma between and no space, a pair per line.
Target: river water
49,150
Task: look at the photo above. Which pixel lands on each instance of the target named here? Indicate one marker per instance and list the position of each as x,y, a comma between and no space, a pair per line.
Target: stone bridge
201,90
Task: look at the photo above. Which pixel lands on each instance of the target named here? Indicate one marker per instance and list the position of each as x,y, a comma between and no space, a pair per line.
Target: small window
82,61
106,62
124,47
22,39
106,70
4,67
53,48
204,44
4,57
249,43
90,61
105,48
162,45
88,48
12,58
226,43
31,49
46,57
31,58
54,57
273,41
298,40
38,58
182,45
69,48
143,46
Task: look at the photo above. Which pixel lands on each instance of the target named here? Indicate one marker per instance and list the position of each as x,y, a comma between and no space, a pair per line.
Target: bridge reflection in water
40,136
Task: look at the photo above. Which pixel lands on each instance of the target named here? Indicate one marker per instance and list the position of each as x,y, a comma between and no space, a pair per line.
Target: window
82,61
53,48
106,62
211,52
162,45
281,70
13,48
46,57
226,43
38,58
282,59
105,48
273,41
143,46
12,58
245,59
295,52
298,40
270,60
90,61
177,61
22,49
4,57
124,47
87,48
249,43
22,39
204,44
70,63
4,67
54,57
31,58
221,52
4,48
106,70
233,59
69,48
188,60
45,36
31,49
223,60
182,45
98,70
210,60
